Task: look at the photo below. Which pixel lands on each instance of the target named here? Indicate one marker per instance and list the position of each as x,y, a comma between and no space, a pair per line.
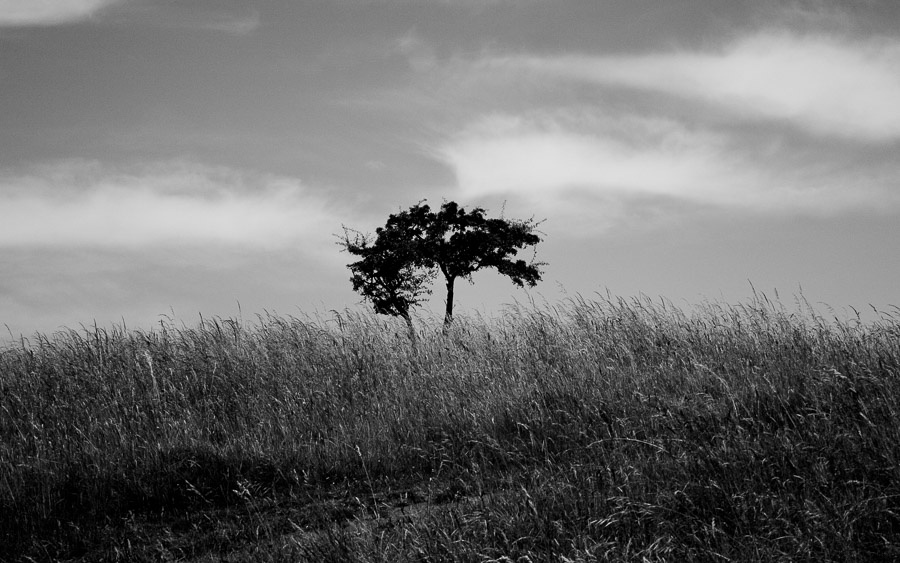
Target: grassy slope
595,430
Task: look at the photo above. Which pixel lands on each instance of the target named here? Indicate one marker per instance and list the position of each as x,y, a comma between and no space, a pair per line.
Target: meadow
595,429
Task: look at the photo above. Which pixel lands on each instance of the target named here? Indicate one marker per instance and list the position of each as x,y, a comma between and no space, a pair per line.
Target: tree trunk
412,329
448,315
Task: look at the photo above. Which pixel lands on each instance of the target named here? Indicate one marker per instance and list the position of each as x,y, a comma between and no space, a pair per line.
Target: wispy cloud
626,161
88,204
232,23
824,84
420,55
216,16
772,122
49,12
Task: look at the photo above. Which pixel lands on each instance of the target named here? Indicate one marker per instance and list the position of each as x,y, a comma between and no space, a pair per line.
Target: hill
597,429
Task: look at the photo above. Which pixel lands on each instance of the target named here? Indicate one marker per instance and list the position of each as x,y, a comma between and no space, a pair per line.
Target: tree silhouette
390,273
413,245
460,243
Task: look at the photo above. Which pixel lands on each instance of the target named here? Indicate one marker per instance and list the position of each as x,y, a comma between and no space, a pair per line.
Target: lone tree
413,245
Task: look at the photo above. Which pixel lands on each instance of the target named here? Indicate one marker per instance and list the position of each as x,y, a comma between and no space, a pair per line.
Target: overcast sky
160,157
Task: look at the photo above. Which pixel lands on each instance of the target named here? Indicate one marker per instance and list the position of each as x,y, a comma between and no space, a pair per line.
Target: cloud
568,163
826,85
420,55
770,123
222,17
233,24
506,153
88,204
49,12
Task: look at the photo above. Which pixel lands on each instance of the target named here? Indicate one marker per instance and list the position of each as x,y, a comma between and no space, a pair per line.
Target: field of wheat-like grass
591,430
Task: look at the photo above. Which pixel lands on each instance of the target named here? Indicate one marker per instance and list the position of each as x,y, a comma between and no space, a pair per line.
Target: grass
603,429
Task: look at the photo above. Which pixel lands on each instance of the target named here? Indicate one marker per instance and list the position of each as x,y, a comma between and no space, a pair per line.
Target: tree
460,243
413,245
390,273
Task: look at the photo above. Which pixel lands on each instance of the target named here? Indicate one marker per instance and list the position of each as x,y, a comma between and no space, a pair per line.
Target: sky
162,159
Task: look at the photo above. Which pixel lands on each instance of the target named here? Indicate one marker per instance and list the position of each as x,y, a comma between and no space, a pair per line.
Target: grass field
601,429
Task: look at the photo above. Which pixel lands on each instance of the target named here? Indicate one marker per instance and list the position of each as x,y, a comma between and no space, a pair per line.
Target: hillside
597,429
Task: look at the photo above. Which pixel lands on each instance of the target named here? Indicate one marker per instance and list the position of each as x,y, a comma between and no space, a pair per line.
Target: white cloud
827,85
627,161
772,123
233,24
49,12
57,12
78,203
505,154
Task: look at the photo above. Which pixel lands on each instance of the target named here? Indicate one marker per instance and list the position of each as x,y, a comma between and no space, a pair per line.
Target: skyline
159,158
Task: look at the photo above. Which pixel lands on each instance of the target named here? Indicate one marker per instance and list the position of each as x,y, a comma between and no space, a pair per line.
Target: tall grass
595,429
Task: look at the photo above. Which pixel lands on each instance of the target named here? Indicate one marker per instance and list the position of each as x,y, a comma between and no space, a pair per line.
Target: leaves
389,273
405,255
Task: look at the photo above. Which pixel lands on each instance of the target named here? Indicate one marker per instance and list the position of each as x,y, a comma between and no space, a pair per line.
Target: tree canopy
390,272
398,263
